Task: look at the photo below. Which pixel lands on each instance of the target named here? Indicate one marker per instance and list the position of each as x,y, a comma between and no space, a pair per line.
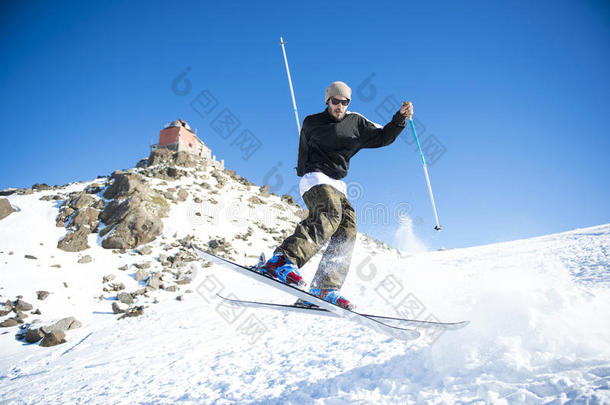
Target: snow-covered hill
538,309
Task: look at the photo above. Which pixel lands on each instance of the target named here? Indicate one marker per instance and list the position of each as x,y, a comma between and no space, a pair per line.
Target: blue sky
511,100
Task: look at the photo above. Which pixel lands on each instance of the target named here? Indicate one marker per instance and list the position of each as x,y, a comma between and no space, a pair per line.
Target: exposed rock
163,259
154,281
7,323
119,307
21,316
8,305
172,288
142,265
125,298
75,241
53,339
220,179
62,325
42,295
51,197
181,158
8,191
264,191
134,216
124,268
256,200
144,250
83,200
288,199
115,287
41,187
86,216
63,215
125,184
37,312
94,188
182,194
135,311
21,305
107,278
6,208
85,259
141,274
238,178
33,335
30,257
4,313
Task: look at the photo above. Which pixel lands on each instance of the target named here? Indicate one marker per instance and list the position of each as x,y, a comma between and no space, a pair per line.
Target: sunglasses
336,101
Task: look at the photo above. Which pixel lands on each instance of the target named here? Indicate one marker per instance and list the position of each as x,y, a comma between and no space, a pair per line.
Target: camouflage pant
331,217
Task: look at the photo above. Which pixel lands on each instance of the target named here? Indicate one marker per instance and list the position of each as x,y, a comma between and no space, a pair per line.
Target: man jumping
328,141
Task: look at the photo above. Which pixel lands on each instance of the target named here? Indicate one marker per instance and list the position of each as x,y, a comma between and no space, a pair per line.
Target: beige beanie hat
338,89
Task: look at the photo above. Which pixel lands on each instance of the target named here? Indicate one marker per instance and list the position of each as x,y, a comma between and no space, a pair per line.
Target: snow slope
538,308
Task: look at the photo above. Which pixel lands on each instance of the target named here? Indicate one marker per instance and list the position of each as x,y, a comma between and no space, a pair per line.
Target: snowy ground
538,308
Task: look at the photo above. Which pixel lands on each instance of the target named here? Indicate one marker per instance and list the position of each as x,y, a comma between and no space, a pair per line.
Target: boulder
154,281
141,274
182,194
21,305
33,335
125,298
53,339
42,294
124,184
119,307
62,325
133,222
7,323
6,208
75,241
85,259
144,250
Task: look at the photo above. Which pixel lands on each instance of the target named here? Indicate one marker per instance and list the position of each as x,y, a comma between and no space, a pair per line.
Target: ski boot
282,269
327,294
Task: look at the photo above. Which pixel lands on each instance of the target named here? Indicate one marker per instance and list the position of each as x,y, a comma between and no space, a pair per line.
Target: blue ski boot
282,269
327,294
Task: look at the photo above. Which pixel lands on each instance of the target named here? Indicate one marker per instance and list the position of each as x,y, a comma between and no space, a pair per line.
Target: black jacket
327,145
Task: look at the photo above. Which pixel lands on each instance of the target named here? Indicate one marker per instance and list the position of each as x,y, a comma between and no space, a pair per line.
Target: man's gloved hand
407,109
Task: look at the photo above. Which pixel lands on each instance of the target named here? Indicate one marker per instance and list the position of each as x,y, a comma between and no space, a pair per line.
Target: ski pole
437,227
294,103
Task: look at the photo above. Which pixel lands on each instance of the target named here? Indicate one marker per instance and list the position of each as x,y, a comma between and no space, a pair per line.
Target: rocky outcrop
75,241
80,215
133,217
167,156
6,208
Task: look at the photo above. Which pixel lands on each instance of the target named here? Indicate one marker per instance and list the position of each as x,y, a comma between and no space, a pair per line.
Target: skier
328,141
